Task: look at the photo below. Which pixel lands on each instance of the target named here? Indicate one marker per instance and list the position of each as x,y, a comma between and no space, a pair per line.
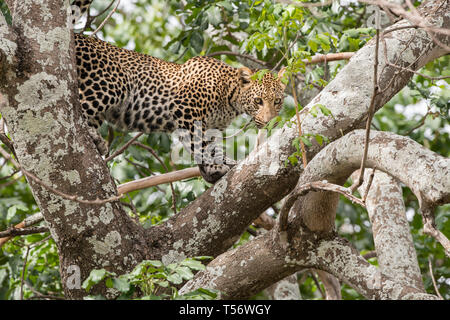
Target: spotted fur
137,92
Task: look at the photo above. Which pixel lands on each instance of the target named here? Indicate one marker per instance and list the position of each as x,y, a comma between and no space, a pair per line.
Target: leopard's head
261,99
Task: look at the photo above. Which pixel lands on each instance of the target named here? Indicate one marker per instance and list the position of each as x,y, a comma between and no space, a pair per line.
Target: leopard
136,92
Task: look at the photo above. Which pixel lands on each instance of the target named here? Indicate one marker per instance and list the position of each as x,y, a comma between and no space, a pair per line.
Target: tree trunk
39,83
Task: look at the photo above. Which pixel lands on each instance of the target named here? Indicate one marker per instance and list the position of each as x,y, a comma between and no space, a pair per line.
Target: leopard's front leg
207,150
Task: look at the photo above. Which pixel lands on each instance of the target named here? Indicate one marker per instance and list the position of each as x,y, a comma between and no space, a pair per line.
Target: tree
92,225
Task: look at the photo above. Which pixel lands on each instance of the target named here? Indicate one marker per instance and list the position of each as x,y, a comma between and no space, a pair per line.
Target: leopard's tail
79,7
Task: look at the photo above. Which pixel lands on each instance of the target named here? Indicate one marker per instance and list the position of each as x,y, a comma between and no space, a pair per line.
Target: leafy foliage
152,280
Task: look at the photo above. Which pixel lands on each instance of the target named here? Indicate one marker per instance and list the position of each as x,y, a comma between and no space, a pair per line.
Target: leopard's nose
259,124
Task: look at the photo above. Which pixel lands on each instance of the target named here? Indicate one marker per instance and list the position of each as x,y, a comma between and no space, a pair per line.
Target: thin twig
369,184
9,176
240,130
181,55
369,255
40,295
133,208
4,138
318,58
313,276
421,122
121,189
138,168
285,54
433,280
110,139
299,125
331,285
56,191
124,147
106,19
23,272
418,73
12,232
413,17
174,199
430,229
29,221
387,31
7,184
90,18
370,114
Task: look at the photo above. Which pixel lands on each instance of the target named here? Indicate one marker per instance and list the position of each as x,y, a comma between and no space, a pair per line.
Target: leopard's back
137,92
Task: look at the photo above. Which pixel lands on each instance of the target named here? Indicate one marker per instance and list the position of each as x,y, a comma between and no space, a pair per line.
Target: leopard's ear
244,76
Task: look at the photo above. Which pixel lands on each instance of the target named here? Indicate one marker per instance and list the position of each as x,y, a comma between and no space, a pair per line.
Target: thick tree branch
266,259
423,171
354,270
393,241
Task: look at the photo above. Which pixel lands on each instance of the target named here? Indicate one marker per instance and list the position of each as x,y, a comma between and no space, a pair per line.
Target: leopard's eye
258,101
277,101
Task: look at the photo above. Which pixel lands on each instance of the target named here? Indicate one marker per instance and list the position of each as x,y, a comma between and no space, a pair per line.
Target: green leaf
13,209
354,44
306,141
94,278
324,42
196,41
259,74
164,284
313,44
319,139
293,159
296,144
121,284
175,278
325,110
184,272
269,126
164,143
109,283
193,264
199,294
153,263
214,15
313,111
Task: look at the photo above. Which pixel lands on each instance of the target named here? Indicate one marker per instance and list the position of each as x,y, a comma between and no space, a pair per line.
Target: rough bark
286,289
394,245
